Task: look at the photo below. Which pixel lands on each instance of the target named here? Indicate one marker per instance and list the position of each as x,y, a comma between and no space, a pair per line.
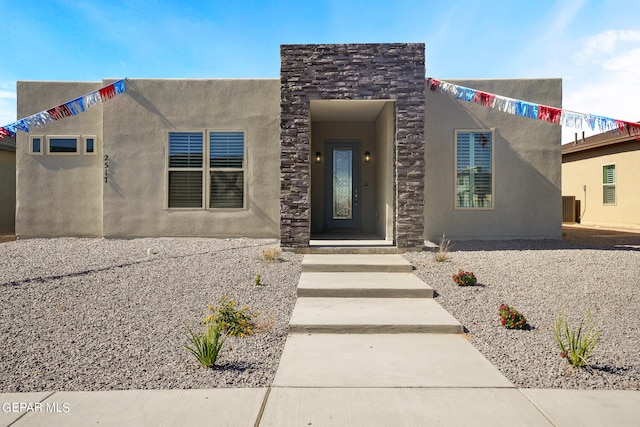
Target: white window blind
474,170
226,162
609,184
185,169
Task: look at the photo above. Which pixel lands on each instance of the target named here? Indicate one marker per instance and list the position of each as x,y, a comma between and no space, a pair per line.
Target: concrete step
363,285
385,263
371,315
354,250
384,360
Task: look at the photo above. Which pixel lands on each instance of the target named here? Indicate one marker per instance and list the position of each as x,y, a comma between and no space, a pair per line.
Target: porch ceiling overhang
340,110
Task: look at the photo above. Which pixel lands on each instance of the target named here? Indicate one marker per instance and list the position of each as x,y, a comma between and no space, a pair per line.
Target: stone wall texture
392,71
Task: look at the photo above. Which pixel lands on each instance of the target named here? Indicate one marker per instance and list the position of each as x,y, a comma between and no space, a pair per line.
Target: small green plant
511,318
465,278
224,320
232,321
206,346
442,253
576,345
258,280
270,254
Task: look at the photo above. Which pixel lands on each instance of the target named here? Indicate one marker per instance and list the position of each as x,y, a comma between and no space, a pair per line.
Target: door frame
354,223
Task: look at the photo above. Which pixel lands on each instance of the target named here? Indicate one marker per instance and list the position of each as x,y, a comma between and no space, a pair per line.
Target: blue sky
594,46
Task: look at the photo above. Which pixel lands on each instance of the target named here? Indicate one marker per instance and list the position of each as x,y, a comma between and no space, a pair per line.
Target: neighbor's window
63,144
185,169
36,145
474,169
226,163
609,184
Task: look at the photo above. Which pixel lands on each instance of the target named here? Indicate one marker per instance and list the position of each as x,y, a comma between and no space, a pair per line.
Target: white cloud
605,74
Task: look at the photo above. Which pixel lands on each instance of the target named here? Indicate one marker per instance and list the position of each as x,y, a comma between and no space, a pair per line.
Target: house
7,185
601,173
348,140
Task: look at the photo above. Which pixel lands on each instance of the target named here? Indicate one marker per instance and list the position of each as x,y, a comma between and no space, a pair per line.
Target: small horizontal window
63,145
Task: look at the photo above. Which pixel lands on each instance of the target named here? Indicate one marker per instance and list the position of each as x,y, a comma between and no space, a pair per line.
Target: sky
594,46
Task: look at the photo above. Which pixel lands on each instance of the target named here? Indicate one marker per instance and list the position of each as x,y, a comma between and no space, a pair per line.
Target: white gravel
540,279
98,314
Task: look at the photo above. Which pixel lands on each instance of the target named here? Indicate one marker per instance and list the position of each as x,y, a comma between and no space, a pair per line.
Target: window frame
206,170
455,170
42,145
77,152
85,139
609,184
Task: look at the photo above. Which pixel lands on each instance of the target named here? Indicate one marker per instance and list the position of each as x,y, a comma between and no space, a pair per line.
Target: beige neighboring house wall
582,177
527,162
7,185
58,194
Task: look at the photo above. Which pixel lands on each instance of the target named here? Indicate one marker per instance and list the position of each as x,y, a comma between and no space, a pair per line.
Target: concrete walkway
368,346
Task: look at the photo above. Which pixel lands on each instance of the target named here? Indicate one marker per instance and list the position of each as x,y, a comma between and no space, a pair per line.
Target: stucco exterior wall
383,163
7,191
58,195
585,169
136,126
527,164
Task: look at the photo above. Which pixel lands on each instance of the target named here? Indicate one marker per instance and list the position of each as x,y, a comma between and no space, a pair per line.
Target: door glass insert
342,183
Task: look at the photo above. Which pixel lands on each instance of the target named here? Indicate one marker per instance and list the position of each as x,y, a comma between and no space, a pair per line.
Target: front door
342,184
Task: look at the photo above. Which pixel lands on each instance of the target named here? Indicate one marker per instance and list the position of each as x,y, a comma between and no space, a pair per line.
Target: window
63,145
220,179
89,145
609,184
226,160
185,169
36,145
474,169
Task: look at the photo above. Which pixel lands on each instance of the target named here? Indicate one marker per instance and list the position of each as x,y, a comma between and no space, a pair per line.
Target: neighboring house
7,185
348,139
602,173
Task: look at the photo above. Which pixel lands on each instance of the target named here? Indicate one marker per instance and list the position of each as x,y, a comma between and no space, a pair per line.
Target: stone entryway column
350,72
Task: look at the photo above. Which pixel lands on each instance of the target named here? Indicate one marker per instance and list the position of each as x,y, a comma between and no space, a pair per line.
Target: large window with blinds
474,169
609,184
194,181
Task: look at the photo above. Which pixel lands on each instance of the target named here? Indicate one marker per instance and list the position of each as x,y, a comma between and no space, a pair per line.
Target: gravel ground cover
100,314
540,279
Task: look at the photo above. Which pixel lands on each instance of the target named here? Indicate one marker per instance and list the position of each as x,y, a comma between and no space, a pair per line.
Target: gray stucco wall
58,195
136,126
527,164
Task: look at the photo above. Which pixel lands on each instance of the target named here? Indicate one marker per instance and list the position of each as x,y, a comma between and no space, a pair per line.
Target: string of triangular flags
534,111
68,109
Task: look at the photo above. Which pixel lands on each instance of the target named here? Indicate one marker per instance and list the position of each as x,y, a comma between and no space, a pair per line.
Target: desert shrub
270,254
465,278
511,318
577,345
442,251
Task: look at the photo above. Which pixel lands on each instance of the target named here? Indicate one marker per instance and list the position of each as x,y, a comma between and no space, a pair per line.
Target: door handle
355,198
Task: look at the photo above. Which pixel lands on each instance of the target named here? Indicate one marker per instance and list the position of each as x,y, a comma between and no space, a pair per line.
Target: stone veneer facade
393,71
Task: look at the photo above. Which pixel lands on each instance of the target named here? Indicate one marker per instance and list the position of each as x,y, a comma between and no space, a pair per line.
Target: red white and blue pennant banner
534,111
68,109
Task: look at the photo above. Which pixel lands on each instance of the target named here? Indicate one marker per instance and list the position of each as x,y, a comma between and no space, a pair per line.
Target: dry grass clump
270,254
264,322
442,252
